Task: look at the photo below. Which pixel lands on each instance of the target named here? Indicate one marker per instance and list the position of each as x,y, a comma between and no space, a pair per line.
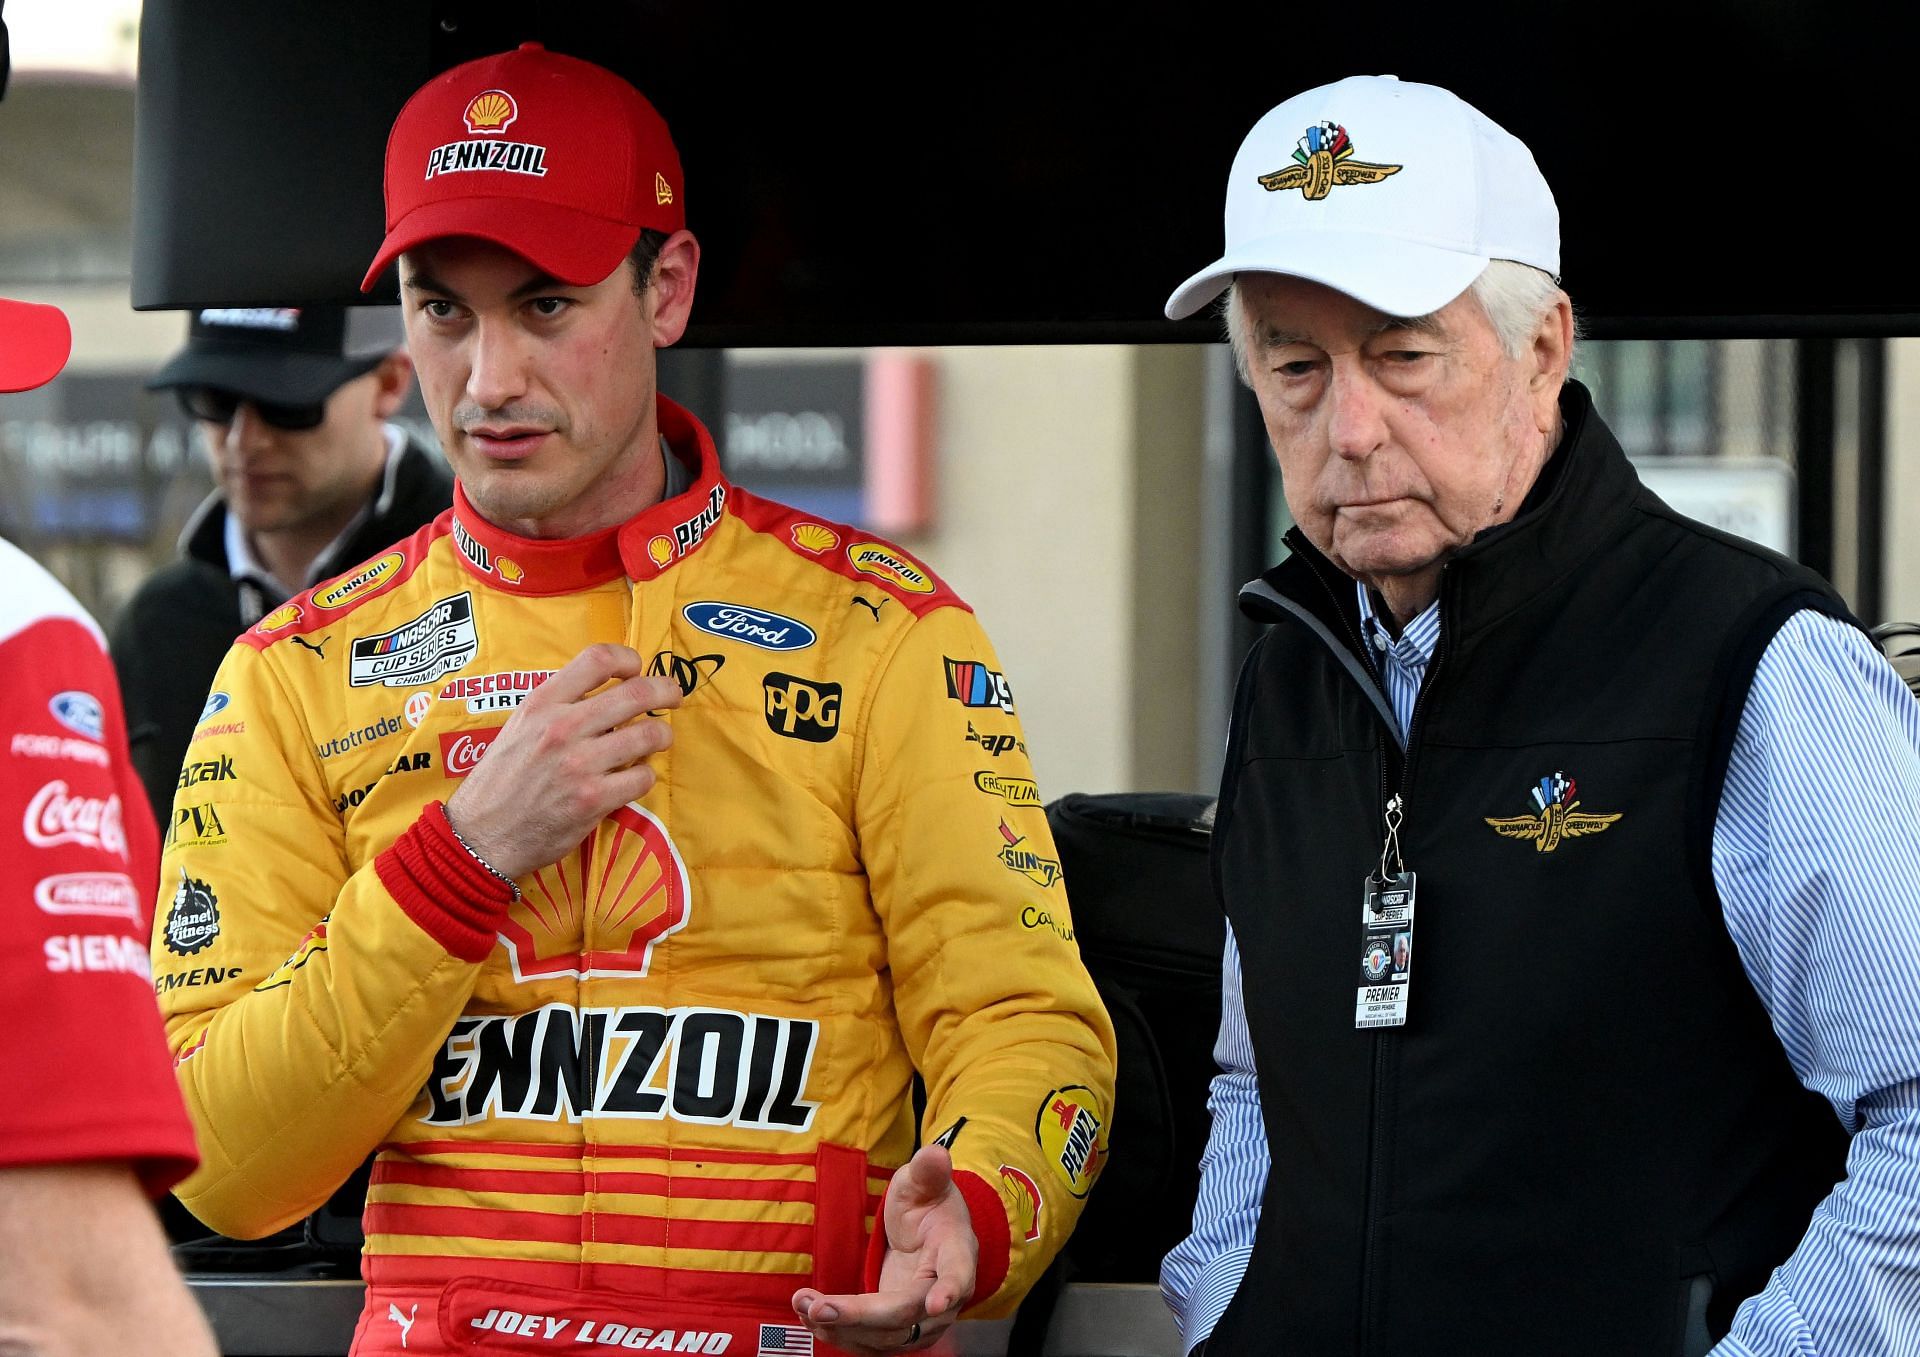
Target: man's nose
1356,419
498,374
246,431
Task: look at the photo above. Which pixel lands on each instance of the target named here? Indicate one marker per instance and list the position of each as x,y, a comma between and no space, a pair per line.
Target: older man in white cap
1651,793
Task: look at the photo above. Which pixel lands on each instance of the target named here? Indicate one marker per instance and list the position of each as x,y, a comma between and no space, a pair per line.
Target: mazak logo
80,713
438,641
700,1066
972,684
877,558
1015,791
55,816
490,111
625,887
109,893
495,692
195,827
462,750
206,770
802,709
768,631
194,921
368,579
1068,1129
689,673
995,745
1325,156
1025,861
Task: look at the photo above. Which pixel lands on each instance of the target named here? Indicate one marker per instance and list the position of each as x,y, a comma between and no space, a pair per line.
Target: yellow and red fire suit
642,1103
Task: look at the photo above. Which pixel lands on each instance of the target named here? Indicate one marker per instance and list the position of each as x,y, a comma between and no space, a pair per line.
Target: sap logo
200,975
703,1066
207,770
972,684
195,827
56,816
802,709
80,713
769,631
416,762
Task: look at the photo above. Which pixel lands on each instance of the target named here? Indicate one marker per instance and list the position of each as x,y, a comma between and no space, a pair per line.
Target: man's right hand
566,759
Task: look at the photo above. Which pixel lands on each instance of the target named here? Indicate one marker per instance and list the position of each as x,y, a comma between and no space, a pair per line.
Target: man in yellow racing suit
610,854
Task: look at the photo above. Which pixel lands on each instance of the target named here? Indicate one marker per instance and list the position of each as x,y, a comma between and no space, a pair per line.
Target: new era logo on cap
589,165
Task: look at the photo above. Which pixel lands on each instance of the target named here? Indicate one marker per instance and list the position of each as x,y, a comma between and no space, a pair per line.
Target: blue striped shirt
1816,855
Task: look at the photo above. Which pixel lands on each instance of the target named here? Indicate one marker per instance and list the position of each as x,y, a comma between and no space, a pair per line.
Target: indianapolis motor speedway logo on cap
440,640
1326,158
488,114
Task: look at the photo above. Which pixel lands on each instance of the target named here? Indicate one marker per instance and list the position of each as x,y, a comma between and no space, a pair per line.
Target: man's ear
669,297
392,380
1551,355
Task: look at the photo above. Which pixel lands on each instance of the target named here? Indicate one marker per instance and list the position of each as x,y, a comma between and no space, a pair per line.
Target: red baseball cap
34,343
556,159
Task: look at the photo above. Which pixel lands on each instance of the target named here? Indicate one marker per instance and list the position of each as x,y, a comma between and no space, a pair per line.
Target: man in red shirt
91,1125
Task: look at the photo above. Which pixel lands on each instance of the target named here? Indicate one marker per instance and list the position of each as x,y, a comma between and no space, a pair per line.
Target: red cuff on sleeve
989,1228
443,888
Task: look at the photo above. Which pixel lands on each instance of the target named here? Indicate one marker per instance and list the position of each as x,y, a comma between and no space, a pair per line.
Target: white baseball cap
1395,193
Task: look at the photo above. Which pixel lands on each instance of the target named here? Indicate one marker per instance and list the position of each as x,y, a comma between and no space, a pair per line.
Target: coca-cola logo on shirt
462,750
55,816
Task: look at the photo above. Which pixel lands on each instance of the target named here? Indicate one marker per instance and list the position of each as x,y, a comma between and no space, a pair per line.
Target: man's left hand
926,1279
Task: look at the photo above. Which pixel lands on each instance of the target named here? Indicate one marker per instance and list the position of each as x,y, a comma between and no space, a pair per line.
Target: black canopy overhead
874,174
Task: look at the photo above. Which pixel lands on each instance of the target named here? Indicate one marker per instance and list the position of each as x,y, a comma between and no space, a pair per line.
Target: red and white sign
56,817
462,750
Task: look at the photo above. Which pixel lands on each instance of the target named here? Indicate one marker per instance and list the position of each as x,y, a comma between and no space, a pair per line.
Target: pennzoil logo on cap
490,111
1326,158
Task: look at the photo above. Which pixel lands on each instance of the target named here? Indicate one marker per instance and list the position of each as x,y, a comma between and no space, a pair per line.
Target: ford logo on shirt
769,631
82,713
216,702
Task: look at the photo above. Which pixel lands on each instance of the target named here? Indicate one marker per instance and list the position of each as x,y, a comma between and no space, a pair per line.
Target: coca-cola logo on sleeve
56,816
462,750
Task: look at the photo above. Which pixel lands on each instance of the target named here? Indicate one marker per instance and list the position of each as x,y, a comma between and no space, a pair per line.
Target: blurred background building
1097,504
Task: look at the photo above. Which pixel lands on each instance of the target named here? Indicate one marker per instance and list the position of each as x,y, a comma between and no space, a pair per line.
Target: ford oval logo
82,713
216,702
769,631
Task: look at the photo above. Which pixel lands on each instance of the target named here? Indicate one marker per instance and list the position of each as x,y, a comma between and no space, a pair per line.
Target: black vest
1587,1138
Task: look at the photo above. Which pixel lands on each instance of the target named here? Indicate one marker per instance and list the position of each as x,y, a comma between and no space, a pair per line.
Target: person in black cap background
293,404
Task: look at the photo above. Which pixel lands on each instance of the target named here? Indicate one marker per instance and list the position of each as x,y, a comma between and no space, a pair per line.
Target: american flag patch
781,1340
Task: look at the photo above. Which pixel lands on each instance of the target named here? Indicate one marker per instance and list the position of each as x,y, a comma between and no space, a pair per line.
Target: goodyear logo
362,581
1068,1129
1015,791
877,558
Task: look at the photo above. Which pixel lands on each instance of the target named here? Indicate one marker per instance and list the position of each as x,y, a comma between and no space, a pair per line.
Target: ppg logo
801,709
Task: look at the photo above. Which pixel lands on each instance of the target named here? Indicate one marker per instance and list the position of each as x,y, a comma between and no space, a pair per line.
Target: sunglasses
213,404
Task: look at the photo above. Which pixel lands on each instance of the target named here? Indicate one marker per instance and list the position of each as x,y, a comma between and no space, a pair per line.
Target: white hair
1514,297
